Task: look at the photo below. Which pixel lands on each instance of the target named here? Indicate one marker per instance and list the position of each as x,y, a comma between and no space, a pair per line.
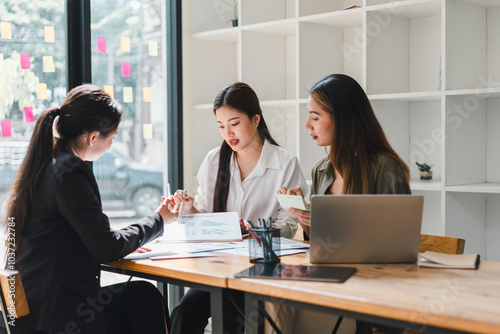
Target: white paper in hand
293,201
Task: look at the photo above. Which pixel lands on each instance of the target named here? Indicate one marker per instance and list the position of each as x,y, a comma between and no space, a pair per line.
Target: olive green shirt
387,178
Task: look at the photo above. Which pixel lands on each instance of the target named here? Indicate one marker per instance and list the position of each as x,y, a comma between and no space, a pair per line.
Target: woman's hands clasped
301,216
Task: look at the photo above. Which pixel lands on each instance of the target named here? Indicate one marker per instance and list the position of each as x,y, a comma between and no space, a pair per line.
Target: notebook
365,228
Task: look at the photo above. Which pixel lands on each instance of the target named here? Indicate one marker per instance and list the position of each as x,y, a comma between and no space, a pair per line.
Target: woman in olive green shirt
360,161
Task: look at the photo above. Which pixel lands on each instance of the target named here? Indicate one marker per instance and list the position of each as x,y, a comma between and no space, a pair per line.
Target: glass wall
128,39
32,75
128,60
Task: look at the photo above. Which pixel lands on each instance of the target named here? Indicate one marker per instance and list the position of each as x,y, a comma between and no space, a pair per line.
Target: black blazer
65,239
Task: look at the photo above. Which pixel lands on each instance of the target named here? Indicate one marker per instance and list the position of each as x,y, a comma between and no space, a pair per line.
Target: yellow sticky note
147,131
49,34
110,90
147,95
41,91
6,28
125,44
153,48
48,64
128,96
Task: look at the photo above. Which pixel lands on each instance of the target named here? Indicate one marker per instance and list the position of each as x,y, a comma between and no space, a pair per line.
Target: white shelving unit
431,69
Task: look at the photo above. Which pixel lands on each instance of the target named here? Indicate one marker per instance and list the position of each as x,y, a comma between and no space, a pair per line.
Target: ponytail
40,153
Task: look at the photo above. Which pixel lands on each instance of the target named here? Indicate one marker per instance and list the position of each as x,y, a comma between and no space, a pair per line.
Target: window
129,56
128,45
32,75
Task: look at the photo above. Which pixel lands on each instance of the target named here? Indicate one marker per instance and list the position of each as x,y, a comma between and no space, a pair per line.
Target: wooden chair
440,244
14,303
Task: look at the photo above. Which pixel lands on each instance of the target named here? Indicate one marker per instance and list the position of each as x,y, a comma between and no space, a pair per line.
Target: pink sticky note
125,69
25,60
101,45
28,114
6,129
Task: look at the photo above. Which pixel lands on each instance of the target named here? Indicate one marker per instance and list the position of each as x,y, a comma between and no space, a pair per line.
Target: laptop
365,228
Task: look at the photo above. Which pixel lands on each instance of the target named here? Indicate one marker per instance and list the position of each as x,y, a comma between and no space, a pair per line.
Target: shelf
410,9
480,92
414,41
425,186
484,188
483,3
229,35
283,27
340,19
278,103
421,96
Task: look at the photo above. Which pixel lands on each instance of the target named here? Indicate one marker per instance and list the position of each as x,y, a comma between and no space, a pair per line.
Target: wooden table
209,274
401,295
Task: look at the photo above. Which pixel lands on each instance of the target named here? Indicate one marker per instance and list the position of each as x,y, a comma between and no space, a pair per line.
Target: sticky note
110,90
153,48
125,69
146,93
6,130
48,64
101,45
49,34
41,91
6,28
125,44
25,60
28,115
147,131
1,88
128,96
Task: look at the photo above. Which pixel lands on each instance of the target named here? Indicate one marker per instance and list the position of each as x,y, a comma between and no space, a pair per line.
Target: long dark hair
85,109
241,97
358,136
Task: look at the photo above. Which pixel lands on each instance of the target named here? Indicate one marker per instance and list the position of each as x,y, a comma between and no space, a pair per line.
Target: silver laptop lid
365,228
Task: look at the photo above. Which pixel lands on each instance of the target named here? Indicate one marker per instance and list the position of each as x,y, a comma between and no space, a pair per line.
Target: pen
184,193
251,224
249,228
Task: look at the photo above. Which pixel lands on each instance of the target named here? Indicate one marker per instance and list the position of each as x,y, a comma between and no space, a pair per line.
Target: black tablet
298,272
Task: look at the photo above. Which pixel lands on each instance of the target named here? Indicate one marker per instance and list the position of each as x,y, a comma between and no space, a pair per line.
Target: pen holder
264,245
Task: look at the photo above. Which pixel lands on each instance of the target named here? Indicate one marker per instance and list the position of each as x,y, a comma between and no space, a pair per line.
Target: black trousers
192,313
127,308
137,307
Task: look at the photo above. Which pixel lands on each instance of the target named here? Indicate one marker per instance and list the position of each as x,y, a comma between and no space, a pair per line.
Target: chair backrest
14,303
440,244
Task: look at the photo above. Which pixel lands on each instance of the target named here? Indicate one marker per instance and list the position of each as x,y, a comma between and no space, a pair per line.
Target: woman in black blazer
62,235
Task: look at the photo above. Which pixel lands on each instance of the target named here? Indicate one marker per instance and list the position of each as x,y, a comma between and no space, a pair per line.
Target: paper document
457,261
183,256
218,226
159,249
293,201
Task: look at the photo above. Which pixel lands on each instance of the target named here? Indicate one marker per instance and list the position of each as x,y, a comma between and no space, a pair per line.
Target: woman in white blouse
242,175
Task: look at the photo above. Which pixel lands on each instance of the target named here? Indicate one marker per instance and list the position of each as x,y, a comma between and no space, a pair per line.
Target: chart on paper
219,226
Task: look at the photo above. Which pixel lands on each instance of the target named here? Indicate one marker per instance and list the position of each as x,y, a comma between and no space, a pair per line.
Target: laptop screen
365,228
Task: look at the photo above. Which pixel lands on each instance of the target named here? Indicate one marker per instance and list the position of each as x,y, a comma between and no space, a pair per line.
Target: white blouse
254,197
